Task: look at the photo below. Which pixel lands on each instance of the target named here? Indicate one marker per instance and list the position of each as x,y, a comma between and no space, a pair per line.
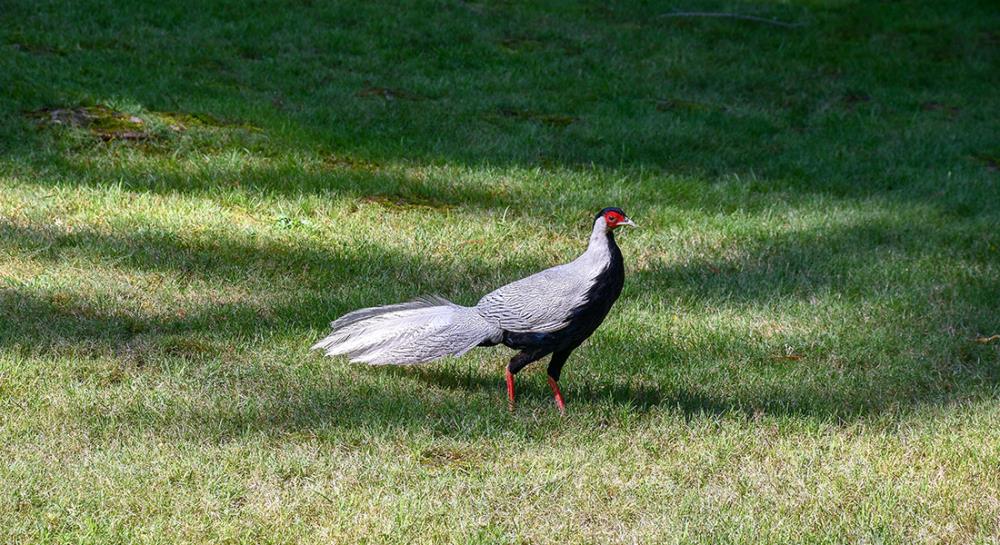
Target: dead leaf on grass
992,163
553,120
853,99
521,44
402,202
388,93
788,357
679,104
934,106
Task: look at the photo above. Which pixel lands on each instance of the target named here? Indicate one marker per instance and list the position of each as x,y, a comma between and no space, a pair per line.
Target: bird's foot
558,395
510,391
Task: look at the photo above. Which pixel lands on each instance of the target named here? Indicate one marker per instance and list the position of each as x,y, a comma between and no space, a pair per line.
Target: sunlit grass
800,355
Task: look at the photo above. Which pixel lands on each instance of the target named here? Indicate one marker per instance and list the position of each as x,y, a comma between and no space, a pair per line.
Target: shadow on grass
693,385
315,397
391,184
279,286
329,282
483,105
453,87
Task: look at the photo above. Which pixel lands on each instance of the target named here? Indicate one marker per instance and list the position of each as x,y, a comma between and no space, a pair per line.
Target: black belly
584,320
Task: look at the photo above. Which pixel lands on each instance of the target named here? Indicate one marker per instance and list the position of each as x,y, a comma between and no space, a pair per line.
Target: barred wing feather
540,303
416,332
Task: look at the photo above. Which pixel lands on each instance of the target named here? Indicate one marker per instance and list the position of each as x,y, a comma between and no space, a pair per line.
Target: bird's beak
629,222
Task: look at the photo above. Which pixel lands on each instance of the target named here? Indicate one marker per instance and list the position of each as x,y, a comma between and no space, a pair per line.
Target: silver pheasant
550,312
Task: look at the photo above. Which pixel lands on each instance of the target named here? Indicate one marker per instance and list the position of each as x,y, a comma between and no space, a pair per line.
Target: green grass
189,193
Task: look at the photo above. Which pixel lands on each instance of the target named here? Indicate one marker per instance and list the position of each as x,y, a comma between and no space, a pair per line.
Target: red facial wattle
613,219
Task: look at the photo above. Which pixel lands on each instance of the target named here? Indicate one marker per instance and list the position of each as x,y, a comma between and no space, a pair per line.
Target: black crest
611,209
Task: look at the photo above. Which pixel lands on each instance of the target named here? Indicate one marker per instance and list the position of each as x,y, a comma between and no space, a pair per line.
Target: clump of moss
101,121
154,130
350,163
180,121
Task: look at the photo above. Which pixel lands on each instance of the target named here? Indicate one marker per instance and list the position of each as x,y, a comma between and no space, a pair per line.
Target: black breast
585,318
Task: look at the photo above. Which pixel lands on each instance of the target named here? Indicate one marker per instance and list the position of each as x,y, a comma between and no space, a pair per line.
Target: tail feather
415,332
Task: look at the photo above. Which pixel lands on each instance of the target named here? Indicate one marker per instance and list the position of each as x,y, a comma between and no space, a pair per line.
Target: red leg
559,399
510,390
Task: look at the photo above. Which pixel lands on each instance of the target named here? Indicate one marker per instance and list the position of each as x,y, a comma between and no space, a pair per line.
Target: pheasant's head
613,218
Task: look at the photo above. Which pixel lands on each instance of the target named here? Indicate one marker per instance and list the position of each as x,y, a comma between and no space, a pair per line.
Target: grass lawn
803,353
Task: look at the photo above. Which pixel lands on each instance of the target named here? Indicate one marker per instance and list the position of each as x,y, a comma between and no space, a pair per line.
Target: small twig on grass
730,16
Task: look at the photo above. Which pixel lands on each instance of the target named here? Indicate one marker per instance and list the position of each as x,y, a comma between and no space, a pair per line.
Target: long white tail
416,332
